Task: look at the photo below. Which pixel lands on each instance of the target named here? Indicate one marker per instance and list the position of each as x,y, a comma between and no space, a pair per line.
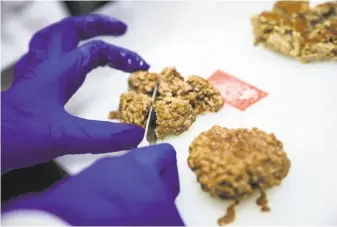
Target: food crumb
114,115
262,201
229,217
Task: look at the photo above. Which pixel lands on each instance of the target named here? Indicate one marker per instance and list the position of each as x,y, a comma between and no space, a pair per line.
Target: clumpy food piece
322,43
171,73
143,81
133,108
204,96
199,92
280,33
233,163
292,8
325,11
177,104
173,116
291,29
171,83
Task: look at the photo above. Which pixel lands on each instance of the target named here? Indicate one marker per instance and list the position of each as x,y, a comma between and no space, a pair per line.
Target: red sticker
235,91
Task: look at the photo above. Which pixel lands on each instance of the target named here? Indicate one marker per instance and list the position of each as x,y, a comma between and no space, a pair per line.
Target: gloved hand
35,127
138,188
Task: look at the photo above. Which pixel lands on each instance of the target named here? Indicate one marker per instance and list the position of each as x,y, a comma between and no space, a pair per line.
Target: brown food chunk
199,92
291,29
233,163
322,43
143,82
322,12
291,8
171,83
173,116
278,33
114,115
326,10
177,104
133,108
203,96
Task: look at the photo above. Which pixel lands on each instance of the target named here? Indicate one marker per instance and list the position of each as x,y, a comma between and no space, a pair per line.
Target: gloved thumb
162,158
81,136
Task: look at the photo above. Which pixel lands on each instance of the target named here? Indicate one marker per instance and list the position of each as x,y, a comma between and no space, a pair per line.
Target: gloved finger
81,136
163,158
98,53
67,33
64,36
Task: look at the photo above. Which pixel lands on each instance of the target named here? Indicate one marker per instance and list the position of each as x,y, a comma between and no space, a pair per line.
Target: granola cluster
199,92
143,82
177,104
203,95
233,163
295,29
174,116
171,83
133,108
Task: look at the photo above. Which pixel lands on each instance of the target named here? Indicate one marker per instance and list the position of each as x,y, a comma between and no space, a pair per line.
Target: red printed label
235,91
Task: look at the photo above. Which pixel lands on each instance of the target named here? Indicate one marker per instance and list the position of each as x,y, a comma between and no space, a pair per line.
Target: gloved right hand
34,124
138,188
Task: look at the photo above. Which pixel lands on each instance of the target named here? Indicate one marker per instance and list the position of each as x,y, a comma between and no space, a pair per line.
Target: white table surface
17,28
301,108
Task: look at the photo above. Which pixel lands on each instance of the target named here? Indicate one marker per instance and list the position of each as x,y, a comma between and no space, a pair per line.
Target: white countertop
17,27
199,38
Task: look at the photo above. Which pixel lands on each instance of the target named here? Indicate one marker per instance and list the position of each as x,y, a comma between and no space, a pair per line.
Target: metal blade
150,135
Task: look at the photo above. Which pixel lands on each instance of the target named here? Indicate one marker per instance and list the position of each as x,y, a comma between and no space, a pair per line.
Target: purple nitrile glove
136,189
35,127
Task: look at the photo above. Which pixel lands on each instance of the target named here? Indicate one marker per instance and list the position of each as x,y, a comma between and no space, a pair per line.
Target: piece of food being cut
177,104
290,27
205,97
231,164
173,116
133,108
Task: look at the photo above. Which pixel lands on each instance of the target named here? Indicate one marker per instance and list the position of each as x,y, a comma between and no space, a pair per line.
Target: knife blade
149,135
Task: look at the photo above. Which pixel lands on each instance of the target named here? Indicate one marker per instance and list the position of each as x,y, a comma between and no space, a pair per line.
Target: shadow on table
32,179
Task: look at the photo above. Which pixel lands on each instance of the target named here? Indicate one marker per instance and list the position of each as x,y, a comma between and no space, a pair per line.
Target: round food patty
232,163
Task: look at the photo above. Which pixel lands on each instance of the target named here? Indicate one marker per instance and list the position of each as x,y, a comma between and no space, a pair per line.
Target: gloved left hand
35,127
137,189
